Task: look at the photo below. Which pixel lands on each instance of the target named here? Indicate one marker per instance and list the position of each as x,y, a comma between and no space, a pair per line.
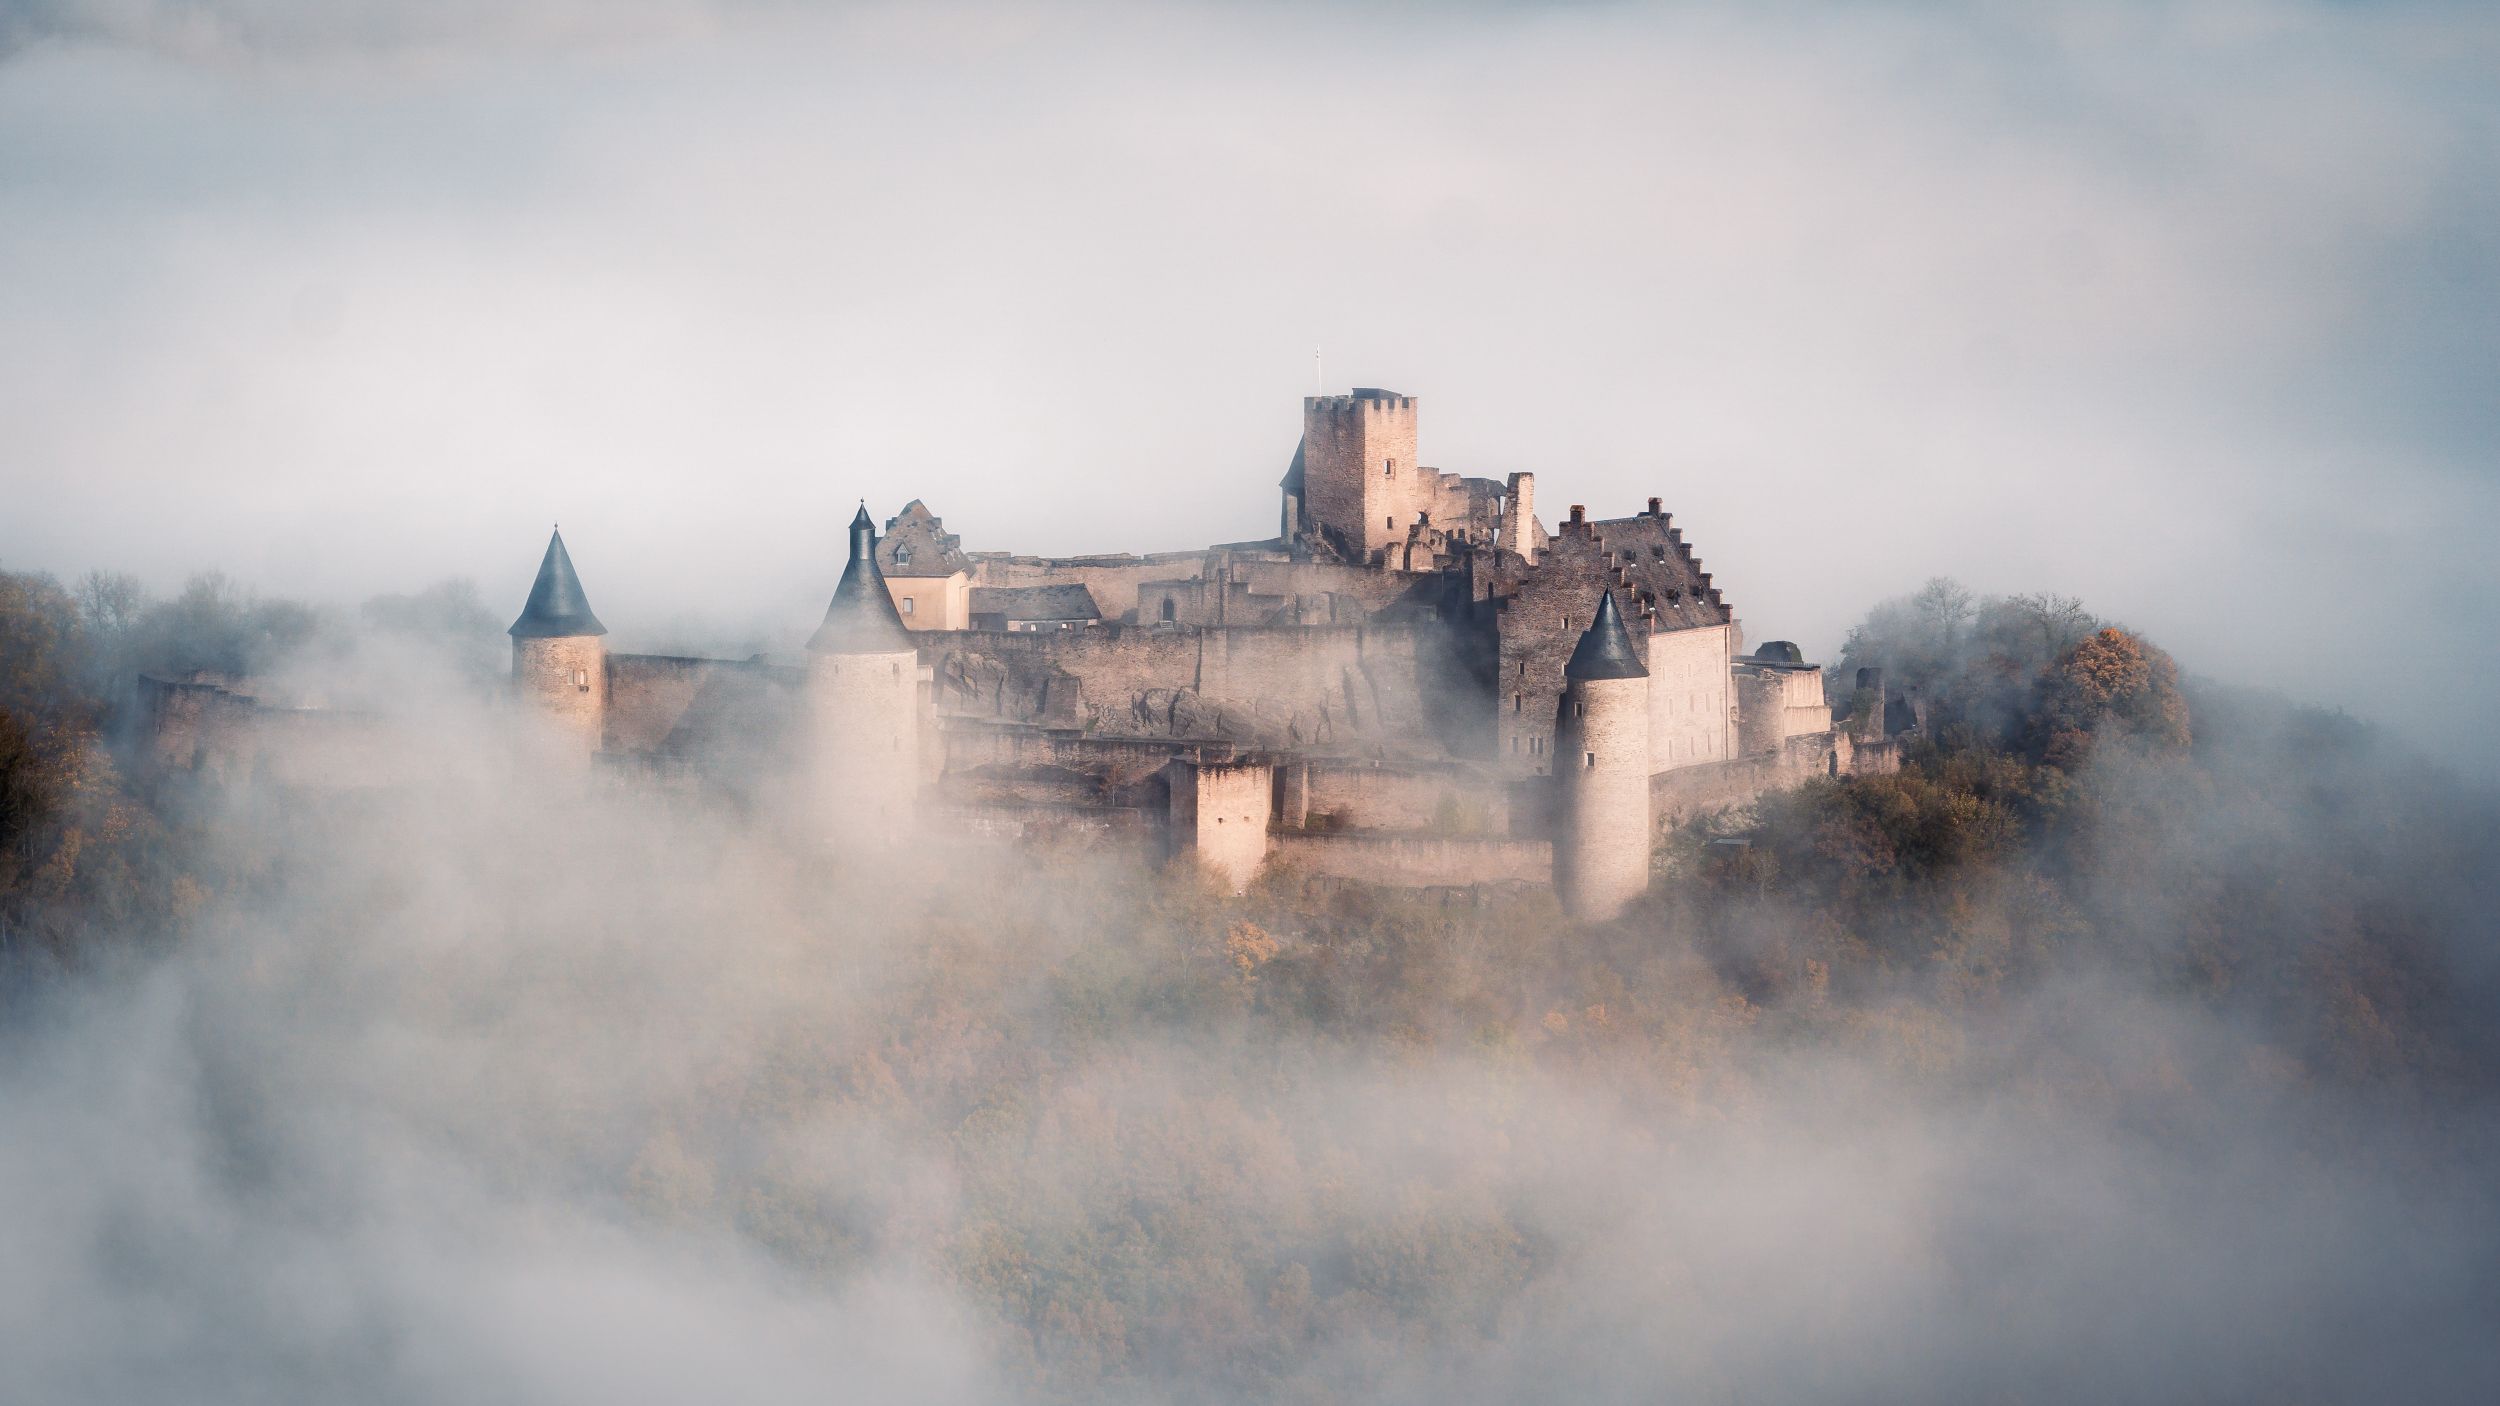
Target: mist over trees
2133,1042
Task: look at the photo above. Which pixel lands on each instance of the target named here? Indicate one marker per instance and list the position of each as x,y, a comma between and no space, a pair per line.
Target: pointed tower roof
557,608
1606,650
862,618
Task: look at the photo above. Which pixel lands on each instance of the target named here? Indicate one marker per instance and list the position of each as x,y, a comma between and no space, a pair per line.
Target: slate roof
1069,602
861,619
1605,650
557,608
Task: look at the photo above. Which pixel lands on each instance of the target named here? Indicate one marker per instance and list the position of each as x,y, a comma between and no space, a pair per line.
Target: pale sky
2193,312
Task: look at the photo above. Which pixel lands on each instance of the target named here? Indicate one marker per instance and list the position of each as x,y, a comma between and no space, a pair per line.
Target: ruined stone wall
1446,799
1114,580
230,736
564,681
1361,480
1691,713
1601,851
1330,689
1518,526
1417,861
649,693
1687,792
1773,705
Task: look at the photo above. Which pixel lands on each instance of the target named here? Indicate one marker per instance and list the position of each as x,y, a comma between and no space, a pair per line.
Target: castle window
1389,522
1579,710
1388,468
1514,742
581,679
1591,762
908,603
1517,700
1167,610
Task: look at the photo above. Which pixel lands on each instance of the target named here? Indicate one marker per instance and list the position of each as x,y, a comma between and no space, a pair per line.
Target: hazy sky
2191,311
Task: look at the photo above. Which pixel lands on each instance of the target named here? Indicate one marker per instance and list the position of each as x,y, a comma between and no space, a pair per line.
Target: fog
494,1082
2187,310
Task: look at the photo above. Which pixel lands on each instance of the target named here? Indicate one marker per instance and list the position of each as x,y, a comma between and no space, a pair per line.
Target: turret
559,664
1601,769
863,692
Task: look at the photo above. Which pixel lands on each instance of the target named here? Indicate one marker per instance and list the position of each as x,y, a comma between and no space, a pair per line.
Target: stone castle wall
1328,689
1114,580
648,695
1417,861
1691,712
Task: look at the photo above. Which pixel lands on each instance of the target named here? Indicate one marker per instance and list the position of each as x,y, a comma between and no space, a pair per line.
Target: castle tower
1601,768
1360,482
863,704
559,664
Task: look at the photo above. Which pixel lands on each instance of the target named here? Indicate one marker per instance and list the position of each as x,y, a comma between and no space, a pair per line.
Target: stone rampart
1416,861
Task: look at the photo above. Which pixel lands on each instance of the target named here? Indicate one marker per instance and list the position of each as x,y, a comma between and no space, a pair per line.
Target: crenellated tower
863,704
559,661
1360,483
1601,771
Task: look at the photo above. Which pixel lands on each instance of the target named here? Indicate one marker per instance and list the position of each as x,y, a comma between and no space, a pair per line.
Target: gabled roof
916,543
861,618
557,608
1063,602
1606,650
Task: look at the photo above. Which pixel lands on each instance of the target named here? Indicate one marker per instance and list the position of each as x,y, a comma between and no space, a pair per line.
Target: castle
1414,682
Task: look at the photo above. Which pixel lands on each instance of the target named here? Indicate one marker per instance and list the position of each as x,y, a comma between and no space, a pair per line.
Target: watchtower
1601,767
559,663
1361,485
863,704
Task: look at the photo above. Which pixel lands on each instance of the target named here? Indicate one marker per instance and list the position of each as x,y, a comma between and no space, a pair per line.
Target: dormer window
902,556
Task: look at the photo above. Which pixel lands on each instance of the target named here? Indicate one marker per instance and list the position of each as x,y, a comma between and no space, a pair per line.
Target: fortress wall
1120,762
1114,580
1404,861
1690,719
1322,686
1370,585
1364,797
649,693
1680,795
233,737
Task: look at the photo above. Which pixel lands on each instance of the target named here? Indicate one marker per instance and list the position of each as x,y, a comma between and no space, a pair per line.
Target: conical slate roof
1606,650
862,618
557,608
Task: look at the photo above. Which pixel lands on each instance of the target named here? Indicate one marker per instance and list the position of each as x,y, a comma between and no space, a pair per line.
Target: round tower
863,704
1601,767
559,662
